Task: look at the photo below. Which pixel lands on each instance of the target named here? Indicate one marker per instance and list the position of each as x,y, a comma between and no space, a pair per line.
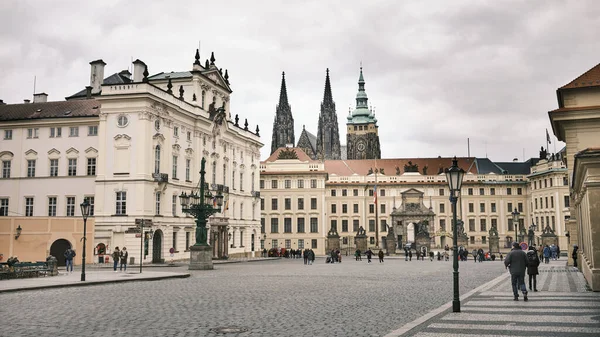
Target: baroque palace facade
302,199
130,144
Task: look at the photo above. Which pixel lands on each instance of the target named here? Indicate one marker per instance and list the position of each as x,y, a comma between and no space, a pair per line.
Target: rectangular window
509,191
355,225
565,181
176,131
371,225
74,131
300,183
471,207
189,136
371,208
175,159
274,225
553,223
33,133
288,244
242,181
471,225
482,207
550,182
313,183
442,208
91,166
174,243
274,243
7,134
72,169
288,183
51,206
334,224
55,132
567,201
482,225
333,208
29,206
261,184
483,240
188,163
287,225
174,205
481,191
6,164
470,191
333,193
121,203
551,202
519,191
520,207
300,244
262,225
90,201
187,241
382,208
273,183
274,204
546,198
300,204
70,206
344,208
382,193
493,206
441,192
443,224
355,192
344,225
157,201
262,204
300,225
31,168
383,225
287,204
355,208
510,208
314,225
92,130
495,223
371,193
313,243
4,207
493,191
344,193
472,239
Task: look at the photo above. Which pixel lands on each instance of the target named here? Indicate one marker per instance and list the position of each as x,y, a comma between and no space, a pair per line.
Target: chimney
26,101
138,70
97,75
40,98
125,73
88,92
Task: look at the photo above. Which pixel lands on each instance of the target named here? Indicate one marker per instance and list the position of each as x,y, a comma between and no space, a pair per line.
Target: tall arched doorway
58,248
157,247
410,233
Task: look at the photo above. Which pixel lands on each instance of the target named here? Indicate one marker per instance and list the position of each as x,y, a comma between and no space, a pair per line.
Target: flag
548,137
375,194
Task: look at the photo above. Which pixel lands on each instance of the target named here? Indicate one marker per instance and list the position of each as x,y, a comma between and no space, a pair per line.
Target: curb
411,325
94,283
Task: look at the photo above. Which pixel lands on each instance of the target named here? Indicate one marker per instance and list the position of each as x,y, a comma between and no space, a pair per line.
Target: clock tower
362,138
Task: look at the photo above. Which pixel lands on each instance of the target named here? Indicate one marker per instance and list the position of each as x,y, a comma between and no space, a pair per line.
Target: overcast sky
437,72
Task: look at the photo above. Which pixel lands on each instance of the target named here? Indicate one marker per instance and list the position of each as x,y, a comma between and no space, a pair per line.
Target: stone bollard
52,265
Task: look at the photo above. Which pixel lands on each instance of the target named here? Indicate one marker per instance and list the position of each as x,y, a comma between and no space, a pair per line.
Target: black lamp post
85,212
201,204
515,219
454,177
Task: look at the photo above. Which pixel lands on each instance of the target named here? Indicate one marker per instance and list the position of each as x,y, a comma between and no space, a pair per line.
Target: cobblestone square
269,298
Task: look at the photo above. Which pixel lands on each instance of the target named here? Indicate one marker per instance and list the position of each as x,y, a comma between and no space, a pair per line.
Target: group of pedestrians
517,262
334,256
120,256
549,252
309,256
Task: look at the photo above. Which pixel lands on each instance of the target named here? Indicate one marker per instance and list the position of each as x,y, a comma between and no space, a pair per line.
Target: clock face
360,146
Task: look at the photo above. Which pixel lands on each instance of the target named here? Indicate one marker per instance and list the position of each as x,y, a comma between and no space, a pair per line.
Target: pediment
159,137
6,155
72,150
53,152
189,151
31,152
412,192
117,137
215,77
176,147
91,150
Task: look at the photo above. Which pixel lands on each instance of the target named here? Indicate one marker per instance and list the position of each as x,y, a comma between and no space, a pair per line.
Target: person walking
532,267
69,255
357,255
547,254
409,255
305,256
380,255
431,255
124,256
574,255
516,263
369,254
311,256
116,255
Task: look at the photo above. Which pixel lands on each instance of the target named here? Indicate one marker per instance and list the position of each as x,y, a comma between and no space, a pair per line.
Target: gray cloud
437,72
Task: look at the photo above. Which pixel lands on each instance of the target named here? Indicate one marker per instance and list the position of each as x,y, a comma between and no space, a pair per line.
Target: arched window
214,172
157,159
203,98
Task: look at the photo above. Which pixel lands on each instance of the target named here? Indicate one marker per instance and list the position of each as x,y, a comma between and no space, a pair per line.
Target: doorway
157,247
58,248
410,232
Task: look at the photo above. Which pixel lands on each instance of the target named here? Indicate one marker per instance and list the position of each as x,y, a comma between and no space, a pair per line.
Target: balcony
160,177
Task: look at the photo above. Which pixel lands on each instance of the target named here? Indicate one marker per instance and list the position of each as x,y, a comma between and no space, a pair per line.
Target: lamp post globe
85,212
454,178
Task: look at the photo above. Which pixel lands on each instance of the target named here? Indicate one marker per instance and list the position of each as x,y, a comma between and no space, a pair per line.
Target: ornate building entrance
413,220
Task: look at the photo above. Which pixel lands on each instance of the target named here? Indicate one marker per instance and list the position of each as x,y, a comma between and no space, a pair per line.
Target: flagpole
376,212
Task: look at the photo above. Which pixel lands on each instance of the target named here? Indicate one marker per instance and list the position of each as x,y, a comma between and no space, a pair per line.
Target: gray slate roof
173,75
486,166
62,109
115,78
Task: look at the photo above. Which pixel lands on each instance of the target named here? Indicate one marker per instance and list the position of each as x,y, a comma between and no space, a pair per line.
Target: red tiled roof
302,156
60,109
590,78
361,167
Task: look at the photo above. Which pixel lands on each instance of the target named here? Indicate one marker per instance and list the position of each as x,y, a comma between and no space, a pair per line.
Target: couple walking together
517,261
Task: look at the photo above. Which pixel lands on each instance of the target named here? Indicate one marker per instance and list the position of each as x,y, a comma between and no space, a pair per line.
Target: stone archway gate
413,210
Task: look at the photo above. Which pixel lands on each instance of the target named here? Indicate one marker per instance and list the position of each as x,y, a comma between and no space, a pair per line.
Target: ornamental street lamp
515,219
201,204
454,177
85,212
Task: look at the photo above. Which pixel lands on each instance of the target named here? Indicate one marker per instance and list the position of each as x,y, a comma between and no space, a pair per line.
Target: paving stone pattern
562,307
269,298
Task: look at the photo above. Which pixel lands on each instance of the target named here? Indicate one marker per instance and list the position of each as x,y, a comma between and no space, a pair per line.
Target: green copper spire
362,107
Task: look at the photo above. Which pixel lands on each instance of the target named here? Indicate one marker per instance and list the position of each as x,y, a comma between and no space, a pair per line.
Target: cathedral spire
328,137
362,107
283,99
327,96
283,126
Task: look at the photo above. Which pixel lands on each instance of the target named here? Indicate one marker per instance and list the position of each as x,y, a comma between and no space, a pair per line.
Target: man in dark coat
532,267
516,262
574,255
369,254
380,255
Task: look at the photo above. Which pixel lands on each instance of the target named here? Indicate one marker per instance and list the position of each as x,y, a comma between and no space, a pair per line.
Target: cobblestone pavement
269,298
562,307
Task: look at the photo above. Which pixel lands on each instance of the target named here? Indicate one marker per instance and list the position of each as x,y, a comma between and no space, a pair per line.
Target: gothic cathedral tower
362,138
328,137
283,126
